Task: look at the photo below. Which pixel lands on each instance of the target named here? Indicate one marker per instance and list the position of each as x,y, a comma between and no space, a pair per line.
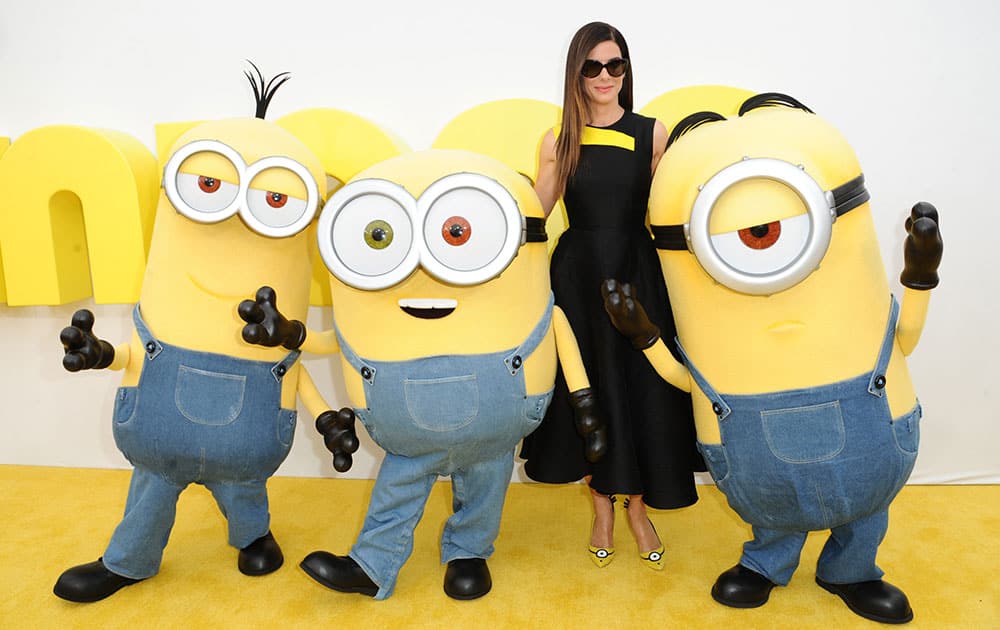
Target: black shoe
741,587
261,557
467,578
875,600
341,573
90,583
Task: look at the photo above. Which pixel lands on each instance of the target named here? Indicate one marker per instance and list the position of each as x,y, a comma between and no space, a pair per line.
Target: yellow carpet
942,549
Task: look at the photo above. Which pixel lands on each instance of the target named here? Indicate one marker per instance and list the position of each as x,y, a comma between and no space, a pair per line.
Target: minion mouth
787,326
428,308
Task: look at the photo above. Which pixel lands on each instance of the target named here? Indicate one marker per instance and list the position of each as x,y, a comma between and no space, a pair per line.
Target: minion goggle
763,259
464,229
207,198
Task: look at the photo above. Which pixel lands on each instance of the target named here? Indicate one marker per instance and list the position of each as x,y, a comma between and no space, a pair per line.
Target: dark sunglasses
592,67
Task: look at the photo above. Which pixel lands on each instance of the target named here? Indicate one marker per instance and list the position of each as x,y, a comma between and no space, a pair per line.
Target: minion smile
428,308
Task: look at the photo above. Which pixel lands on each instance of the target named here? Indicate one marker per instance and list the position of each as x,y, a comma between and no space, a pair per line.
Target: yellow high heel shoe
602,556
651,559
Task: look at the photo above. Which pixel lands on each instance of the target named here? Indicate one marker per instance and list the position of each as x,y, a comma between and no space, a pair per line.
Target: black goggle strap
534,230
846,197
849,196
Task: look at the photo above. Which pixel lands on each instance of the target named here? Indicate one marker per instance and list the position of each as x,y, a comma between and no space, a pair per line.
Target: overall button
879,381
280,370
717,408
516,361
150,347
366,373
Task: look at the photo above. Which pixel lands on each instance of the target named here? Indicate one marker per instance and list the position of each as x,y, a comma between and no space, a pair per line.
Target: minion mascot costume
793,345
449,339
196,404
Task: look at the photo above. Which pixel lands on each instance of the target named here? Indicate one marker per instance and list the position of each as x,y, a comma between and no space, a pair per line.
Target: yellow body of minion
792,344
449,339
196,403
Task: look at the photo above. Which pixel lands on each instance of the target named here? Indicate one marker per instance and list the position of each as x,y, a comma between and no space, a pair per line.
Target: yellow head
770,290
236,212
428,256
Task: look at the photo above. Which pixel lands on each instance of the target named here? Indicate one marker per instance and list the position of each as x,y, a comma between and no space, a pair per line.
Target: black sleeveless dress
651,429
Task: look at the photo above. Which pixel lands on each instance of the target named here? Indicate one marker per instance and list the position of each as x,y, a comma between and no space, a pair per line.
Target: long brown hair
574,111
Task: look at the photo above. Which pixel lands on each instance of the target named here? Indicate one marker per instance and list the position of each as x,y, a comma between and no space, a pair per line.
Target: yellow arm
309,394
569,352
667,366
912,316
123,354
321,342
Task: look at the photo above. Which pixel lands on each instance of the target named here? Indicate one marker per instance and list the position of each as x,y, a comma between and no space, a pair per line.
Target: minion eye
378,234
765,258
205,194
282,197
366,234
471,228
202,181
764,249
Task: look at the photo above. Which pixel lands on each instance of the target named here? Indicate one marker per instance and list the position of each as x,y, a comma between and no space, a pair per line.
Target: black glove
627,314
84,351
589,423
266,326
922,248
337,429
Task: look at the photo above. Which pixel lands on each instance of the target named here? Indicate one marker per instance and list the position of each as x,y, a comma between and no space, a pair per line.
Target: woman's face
603,89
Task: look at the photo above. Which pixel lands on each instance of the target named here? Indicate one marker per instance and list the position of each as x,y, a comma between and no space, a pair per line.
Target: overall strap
279,369
366,371
515,359
719,404
876,385
149,342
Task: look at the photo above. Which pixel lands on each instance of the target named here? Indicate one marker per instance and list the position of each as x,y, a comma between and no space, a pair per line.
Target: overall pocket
210,398
906,431
442,404
715,459
125,405
286,426
804,435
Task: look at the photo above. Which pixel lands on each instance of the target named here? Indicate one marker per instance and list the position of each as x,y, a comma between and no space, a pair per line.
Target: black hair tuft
768,99
263,91
690,122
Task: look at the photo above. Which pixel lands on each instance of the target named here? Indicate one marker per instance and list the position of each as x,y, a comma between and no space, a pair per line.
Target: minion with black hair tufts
196,403
792,343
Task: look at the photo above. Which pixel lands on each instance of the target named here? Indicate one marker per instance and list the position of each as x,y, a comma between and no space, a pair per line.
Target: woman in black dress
601,162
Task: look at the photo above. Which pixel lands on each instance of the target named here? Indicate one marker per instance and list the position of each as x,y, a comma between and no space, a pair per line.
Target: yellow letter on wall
77,206
4,143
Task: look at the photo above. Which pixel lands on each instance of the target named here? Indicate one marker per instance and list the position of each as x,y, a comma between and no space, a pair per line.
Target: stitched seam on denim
282,422
135,405
220,375
822,507
419,422
911,418
725,459
841,432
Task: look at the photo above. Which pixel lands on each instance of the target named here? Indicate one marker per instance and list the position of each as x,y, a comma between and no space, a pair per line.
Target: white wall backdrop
911,83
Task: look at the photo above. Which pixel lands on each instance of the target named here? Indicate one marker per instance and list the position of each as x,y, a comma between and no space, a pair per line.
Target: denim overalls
826,457
458,415
196,417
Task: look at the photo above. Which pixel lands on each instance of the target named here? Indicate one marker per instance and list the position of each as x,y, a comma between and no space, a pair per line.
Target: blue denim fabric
458,415
196,417
828,457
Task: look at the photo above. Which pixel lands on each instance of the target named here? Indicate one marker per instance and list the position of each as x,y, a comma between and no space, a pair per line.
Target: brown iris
456,231
276,200
208,184
761,236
